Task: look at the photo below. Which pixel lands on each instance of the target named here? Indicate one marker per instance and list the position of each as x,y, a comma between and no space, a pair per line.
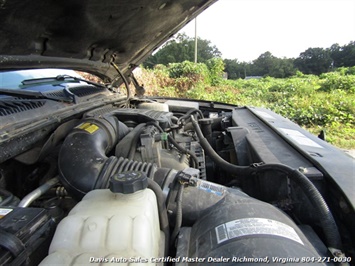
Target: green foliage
268,65
234,69
343,56
345,70
188,69
215,66
339,80
182,48
187,75
314,61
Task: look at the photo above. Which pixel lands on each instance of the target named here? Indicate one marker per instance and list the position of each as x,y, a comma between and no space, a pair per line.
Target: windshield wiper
59,78
34,95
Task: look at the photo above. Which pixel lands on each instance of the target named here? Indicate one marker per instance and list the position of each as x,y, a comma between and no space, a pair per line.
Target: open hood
88,34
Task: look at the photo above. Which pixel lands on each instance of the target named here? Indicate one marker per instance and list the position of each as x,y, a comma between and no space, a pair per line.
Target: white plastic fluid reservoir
154,106
107,227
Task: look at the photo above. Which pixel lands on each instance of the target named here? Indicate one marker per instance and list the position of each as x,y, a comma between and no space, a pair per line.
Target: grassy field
325,102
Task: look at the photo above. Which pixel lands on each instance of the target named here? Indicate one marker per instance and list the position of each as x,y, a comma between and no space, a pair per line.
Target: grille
18,106
81,91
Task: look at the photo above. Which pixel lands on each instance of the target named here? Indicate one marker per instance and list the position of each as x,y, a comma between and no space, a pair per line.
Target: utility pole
195,40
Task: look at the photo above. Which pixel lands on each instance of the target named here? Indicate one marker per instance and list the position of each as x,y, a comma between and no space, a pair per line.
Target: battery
25,235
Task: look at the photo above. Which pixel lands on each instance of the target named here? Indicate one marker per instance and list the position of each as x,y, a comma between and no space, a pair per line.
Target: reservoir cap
128,182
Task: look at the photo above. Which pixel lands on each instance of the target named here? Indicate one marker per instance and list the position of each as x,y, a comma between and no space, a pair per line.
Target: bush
196,72
215,67
338,81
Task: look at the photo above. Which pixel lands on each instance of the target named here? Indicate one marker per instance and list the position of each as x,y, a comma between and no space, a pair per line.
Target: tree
264,63
314,61
283,67
343,56
349,54
268,65
335,54
235,69
180,49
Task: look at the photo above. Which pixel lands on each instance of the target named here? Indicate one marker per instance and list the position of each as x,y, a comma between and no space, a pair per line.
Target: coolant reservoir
109,227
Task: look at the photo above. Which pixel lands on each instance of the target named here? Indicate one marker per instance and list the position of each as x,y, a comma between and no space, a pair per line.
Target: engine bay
169,182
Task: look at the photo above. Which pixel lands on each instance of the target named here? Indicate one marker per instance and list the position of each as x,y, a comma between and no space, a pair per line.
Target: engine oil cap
128,182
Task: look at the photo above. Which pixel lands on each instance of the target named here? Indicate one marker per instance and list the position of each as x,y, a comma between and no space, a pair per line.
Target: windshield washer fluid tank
108,226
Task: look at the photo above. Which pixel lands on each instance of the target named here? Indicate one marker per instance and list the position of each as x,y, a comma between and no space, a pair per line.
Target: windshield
13,79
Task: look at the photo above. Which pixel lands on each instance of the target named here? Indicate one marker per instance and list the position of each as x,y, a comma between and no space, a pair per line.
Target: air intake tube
83,164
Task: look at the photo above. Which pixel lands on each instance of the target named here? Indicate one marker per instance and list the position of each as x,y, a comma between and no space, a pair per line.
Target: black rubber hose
321,208
163,213
189,113
133,147
231,168
178,218
126,147
326,218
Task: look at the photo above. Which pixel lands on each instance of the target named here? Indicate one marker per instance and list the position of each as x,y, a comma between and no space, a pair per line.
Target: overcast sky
244,29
